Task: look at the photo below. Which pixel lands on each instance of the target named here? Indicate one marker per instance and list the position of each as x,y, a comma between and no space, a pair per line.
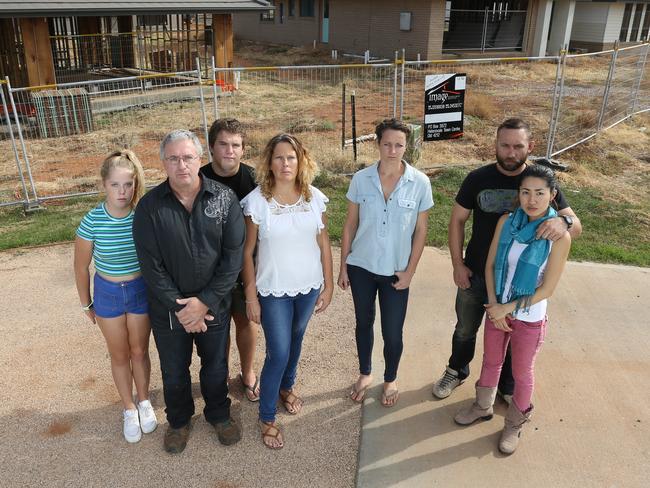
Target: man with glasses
189,236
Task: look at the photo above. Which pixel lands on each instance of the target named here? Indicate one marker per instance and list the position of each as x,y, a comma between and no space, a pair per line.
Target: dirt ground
60,415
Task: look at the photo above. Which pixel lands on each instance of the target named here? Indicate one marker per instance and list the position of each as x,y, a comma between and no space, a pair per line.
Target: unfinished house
55,41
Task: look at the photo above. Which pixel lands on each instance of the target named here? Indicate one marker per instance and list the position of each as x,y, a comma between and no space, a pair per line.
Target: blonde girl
119,301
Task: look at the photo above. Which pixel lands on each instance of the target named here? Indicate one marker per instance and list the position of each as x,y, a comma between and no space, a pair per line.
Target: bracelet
87,307
250,301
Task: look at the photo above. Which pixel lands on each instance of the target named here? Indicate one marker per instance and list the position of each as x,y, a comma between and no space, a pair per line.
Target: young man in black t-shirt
489,192
226,143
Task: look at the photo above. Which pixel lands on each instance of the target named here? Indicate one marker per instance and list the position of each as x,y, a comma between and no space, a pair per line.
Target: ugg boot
480,409
514,421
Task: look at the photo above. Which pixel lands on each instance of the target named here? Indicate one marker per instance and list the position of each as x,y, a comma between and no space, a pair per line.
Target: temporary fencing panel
496,89
60,134
597,91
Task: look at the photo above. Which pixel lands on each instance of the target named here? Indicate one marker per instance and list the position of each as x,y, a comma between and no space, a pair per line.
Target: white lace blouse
288,260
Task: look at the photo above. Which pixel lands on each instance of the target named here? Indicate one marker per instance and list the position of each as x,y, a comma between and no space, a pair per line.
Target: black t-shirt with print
242,182
489,194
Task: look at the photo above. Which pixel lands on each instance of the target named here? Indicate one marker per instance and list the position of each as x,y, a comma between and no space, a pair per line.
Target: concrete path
591,426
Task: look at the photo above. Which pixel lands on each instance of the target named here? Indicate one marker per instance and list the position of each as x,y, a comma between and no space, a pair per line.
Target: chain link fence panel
598,90
496,89
67,129
73,126
308,101
14,189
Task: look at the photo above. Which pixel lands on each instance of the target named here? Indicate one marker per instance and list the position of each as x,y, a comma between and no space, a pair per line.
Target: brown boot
481,409
514,422
228,432
176,439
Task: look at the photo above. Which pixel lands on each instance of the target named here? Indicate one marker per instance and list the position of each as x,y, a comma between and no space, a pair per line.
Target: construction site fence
55,137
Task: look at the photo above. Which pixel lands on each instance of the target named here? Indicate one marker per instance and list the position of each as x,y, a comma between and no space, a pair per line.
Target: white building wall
589,22
614,21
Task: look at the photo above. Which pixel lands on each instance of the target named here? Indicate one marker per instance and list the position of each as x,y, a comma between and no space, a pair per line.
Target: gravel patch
61,418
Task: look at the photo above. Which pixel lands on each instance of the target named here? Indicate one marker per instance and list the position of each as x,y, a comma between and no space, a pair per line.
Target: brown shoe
176,439
228,432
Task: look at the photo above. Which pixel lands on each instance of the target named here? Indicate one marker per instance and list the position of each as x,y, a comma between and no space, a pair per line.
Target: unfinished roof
61,8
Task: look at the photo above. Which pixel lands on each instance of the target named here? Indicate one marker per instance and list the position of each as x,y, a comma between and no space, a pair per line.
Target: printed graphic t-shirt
489,194
242,182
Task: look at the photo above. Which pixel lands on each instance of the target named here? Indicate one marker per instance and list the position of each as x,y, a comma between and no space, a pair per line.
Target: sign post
444,98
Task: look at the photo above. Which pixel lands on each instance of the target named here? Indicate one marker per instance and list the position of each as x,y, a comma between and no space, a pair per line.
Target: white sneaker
148,422
446,384
132,431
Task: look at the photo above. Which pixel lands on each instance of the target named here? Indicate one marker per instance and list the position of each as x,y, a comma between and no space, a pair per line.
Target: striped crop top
113,249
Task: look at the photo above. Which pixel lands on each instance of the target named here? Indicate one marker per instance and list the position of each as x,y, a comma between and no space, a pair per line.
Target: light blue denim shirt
382,244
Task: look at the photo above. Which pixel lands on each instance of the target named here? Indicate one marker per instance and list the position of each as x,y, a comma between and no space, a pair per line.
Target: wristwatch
569,221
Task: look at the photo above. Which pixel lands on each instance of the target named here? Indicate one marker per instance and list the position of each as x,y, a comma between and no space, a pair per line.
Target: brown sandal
291,402
272,431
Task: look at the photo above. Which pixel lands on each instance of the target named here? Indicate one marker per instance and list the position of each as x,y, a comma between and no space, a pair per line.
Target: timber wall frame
33,49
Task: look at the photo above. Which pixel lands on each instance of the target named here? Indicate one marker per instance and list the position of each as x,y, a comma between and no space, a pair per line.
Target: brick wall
296,30
359,25
355,26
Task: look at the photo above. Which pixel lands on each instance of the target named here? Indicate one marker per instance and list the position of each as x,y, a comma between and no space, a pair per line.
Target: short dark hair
515,123
392,124
233,126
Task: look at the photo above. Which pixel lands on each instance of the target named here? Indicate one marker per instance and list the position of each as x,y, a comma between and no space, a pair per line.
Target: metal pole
559,80
395,64
13,145
401,98
641,71
354,125
610,76
214,90
484,34
205,120
22,140
343,117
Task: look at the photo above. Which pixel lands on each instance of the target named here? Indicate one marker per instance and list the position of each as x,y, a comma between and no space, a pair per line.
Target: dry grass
251,53
613,162
480,105
310,105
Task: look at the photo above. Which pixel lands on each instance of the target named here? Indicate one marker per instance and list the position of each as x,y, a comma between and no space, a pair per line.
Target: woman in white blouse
287,269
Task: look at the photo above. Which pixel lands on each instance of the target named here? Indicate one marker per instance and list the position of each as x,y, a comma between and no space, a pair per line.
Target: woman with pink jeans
521,273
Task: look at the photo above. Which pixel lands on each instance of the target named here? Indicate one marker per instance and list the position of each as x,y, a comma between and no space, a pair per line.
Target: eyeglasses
187,159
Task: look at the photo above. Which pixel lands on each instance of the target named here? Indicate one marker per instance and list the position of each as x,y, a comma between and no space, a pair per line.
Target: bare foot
358,391
390,394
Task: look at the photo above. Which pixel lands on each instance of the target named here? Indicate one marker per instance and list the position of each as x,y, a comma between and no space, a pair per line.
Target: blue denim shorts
112,299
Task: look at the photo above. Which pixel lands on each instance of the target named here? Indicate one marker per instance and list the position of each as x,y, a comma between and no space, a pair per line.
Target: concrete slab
591,425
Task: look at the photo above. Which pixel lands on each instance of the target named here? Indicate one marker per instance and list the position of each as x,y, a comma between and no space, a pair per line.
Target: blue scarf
524,282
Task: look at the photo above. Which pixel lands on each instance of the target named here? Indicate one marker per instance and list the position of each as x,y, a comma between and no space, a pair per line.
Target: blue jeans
469,315
284,320
392,303
175,348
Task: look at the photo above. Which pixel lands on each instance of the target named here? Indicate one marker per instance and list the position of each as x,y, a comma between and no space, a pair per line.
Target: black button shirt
184,254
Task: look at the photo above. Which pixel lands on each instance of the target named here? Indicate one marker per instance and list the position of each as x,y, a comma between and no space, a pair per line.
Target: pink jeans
526,340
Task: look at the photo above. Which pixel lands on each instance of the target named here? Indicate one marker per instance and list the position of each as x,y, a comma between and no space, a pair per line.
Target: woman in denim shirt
383,239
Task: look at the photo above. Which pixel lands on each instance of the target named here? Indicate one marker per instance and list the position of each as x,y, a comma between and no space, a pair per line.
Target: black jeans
469,314
175,347
392,303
